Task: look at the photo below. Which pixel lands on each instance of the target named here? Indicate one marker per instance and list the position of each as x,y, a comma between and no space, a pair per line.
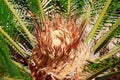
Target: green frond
91,34
40,7
22,25
106,35
6,19
10,25
110,53
95,68
85,20
5,60
108,21
12,42
64,7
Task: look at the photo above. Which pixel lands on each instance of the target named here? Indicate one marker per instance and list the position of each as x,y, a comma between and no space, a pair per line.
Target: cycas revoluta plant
59,39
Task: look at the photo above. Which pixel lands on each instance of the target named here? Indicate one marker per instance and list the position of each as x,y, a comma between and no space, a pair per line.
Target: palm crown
59,39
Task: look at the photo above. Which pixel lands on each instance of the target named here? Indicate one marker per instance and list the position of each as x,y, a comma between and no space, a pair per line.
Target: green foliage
8,70
97,67
15,19
98,21
7,67
108,21
77,7
10,25
33,6
7,22
108,34
6,19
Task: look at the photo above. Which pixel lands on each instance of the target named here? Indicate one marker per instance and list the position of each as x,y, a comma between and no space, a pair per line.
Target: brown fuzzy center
57,51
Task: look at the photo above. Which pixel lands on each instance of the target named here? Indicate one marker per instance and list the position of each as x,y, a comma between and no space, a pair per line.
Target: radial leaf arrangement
59,39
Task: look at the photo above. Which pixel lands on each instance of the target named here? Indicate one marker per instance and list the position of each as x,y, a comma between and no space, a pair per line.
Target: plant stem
68,12
41,10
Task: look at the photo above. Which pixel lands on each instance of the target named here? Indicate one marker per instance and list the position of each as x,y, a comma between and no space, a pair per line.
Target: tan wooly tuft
59,53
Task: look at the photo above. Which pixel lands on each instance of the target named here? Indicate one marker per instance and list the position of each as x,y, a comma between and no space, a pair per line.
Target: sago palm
59,39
